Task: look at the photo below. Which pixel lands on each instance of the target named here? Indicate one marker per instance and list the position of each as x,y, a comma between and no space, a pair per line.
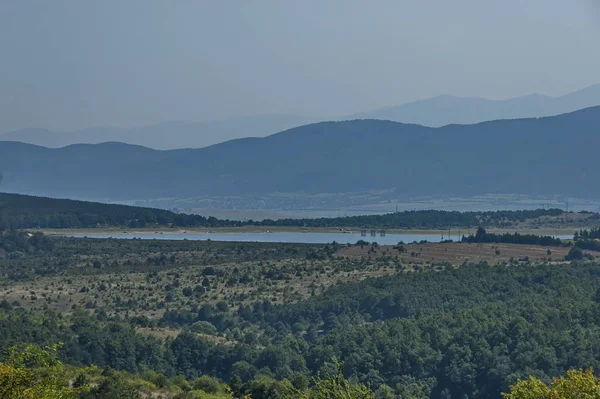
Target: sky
67,65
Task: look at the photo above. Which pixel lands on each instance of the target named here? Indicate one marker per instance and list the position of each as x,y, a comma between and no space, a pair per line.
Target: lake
302,238
299,238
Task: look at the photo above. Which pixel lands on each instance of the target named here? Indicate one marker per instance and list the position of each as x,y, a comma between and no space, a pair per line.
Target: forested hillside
24,211
504,156
468,333
263,317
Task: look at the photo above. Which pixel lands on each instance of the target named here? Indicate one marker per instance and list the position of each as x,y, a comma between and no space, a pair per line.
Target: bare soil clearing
458,253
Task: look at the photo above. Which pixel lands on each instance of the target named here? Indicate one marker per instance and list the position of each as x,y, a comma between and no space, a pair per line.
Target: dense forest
432,335
439,331
26,212
32,371
423,219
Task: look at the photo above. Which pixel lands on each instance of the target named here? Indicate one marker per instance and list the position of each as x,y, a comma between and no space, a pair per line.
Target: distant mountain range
445,110
164,136
546,156
433,112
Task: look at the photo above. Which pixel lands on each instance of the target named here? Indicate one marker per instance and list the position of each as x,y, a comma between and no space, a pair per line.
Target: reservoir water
302,238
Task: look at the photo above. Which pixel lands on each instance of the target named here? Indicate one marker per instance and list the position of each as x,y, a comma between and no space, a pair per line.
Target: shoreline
266,230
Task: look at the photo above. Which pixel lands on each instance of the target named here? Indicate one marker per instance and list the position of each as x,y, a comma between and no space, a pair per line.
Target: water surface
287,237
302,238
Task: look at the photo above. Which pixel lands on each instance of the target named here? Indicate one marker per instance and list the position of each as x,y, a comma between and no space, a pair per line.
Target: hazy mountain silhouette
435,112
444,110
552,155
167,135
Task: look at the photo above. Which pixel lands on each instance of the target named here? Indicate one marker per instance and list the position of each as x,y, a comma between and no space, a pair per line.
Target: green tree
575,253
30,371
332,386
577,384
114,386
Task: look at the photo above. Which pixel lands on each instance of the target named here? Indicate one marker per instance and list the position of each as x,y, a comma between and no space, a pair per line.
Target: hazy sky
74,64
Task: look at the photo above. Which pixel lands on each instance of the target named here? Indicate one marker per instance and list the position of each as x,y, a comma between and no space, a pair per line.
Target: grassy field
151,293
145,277
149,277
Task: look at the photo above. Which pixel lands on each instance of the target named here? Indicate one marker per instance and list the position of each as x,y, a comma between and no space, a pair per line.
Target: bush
576,384
575,253
203,327
208,384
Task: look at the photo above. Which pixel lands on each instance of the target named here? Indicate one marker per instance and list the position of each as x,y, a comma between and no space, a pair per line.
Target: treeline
466,332
422,219
584,235
26,212
482,236
585,239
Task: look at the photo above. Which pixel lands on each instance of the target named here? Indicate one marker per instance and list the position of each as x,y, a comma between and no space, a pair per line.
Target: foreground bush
577,384
29,371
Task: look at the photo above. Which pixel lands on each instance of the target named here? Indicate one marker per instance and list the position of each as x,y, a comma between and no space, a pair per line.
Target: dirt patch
457,253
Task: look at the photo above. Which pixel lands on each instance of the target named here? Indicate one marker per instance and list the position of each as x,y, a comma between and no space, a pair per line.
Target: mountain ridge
505,156
447,109
437,111
163,135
